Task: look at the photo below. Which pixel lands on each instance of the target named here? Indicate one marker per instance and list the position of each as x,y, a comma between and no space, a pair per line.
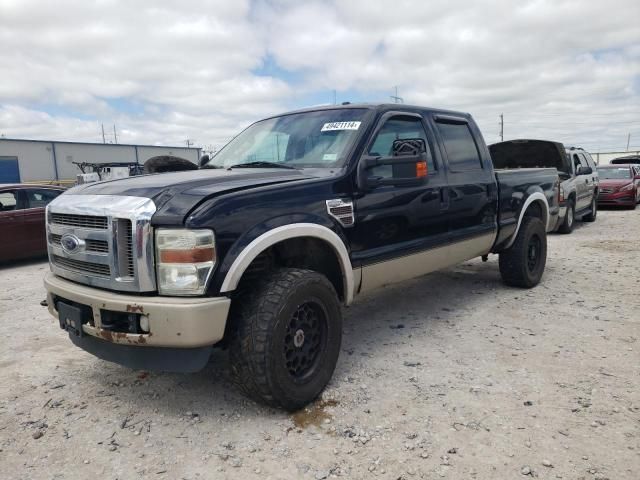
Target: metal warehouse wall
35,159
38,160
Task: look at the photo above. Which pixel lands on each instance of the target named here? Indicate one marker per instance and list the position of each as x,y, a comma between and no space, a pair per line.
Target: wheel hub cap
305,335
532,254
298,339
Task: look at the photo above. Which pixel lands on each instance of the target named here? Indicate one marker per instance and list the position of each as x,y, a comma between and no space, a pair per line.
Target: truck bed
514,187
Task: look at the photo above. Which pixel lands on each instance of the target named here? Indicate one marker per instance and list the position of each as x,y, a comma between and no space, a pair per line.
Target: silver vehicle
576,169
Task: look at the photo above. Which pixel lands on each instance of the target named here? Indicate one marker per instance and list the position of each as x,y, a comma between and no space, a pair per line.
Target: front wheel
286,338
593,211
522,265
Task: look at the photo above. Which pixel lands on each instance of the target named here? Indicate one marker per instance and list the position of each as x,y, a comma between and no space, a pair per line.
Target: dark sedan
22,222
619,185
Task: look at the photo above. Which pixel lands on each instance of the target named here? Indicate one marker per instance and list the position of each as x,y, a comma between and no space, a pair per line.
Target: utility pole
188,142
335,98
628,140
502,127
103,139
115,135
396,98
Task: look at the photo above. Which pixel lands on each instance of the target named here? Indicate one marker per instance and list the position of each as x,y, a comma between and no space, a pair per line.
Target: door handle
444,198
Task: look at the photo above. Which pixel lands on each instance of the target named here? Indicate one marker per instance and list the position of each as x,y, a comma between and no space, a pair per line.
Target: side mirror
584,170
204,160
405,171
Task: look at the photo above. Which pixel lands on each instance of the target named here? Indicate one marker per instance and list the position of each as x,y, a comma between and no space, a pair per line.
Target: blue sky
164,74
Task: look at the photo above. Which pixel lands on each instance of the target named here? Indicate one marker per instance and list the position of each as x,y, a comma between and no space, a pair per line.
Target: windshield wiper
209,165
262,164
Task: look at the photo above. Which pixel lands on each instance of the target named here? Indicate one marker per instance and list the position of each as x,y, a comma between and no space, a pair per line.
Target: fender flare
286,232
534,197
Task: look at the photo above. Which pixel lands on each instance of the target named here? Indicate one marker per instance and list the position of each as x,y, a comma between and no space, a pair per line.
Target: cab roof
380,107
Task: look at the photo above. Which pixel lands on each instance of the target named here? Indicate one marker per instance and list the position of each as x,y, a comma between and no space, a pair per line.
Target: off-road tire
262,322
569,218
515,263
593,212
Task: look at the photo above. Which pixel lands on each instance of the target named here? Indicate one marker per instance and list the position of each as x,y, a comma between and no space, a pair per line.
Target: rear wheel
569,219
286,338
522,265
593,211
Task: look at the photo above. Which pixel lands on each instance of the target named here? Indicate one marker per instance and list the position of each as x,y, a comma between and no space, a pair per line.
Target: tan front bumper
173,321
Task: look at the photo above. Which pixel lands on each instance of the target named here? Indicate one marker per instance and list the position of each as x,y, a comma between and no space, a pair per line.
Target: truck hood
530,154
176,194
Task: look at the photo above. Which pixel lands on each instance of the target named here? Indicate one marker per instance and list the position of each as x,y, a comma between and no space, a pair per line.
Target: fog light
144,323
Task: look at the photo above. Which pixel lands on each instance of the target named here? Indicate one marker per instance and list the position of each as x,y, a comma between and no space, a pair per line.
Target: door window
461,148
578,162
40,198
8,201
590,161
397,128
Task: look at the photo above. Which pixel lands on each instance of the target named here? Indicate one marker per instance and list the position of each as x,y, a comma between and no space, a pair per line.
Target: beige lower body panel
173,322
418,264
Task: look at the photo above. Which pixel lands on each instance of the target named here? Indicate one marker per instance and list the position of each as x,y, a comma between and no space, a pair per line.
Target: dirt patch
314,415
451,376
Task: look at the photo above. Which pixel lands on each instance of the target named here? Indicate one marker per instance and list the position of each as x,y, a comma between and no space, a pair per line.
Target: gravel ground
452,375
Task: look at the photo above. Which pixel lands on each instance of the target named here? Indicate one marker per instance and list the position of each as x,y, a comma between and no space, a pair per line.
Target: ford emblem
70,243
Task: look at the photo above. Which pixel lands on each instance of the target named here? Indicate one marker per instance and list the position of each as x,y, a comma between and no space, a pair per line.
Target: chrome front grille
102,240
81,221
98,246
88,268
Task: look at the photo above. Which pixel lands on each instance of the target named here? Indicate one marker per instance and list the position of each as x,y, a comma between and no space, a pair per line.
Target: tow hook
485,258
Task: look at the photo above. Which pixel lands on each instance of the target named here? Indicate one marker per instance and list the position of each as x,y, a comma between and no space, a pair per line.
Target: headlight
185,260
626,188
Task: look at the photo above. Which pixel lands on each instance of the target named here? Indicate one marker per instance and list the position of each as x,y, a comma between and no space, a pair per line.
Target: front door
11,223
34,217
397,226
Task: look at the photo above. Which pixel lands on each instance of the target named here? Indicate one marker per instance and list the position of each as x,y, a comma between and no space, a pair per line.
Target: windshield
310,139
614,173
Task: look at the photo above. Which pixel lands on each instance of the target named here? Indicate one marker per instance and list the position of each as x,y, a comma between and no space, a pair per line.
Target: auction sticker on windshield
328,127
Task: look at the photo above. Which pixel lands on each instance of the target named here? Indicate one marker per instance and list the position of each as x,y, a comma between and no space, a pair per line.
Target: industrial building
602,158
53,162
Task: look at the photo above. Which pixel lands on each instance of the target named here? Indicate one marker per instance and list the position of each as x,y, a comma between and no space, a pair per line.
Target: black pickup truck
258,249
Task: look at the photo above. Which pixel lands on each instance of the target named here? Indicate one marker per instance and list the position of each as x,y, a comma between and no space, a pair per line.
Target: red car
619,185
22,222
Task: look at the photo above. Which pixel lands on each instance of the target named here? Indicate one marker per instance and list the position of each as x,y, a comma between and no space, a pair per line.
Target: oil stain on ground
313,415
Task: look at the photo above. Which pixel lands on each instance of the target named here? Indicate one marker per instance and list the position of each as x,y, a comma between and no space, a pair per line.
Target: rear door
472,191
36,200
582,187
11,223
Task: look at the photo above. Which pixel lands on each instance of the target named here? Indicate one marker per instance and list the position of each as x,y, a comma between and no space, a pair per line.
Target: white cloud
166,71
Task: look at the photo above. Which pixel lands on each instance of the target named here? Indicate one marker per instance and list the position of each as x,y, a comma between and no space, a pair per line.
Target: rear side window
461,148
8,201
